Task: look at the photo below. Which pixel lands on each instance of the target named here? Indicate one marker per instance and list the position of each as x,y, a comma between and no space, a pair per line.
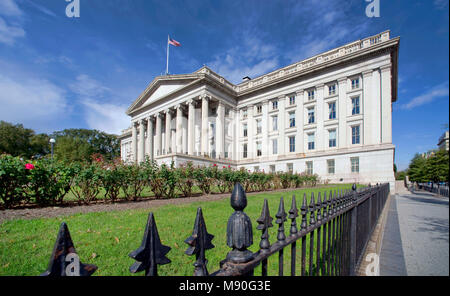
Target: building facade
443,141
330,115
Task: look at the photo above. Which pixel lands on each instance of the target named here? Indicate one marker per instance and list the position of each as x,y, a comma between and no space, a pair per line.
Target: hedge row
47,182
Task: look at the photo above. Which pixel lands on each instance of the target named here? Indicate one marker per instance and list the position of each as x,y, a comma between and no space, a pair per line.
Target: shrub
48,181
13,179
86,182
185,179
134,178
111,176
204,178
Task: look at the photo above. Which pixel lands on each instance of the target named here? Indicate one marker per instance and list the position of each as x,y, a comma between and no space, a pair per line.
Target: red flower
215,164
29,166
229,166
224,167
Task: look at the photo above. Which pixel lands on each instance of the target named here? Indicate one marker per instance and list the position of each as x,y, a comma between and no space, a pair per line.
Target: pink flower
224,167
29,166
215,164
229,166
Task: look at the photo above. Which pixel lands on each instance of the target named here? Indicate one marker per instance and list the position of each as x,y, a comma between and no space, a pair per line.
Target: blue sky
58,72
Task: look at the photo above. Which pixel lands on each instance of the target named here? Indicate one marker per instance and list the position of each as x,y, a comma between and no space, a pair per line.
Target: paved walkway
416,235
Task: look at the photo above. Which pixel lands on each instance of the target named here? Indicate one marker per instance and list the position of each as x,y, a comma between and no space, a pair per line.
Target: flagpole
167,62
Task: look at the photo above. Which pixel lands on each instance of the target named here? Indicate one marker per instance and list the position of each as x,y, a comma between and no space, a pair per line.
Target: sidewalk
416,236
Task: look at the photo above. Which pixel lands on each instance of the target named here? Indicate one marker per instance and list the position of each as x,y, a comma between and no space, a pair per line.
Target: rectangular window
355,134
292,144
274,146
245,130
258,126
244,113
355,83
310,95
332,89
258,149
355,164
272,168
330,165
332,110
309,167
311,115
290,167
274,123
244,151
292,119
355,105
311,141
274,105
259,109
332,138
291,100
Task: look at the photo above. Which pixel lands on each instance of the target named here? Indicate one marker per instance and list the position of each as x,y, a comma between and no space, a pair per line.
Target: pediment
159,88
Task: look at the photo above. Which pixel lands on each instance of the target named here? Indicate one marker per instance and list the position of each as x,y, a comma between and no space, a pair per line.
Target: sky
58,72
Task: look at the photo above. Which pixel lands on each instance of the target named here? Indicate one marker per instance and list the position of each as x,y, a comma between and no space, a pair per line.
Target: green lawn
106,238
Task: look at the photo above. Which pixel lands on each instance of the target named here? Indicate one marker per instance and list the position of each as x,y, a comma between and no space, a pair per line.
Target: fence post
353,215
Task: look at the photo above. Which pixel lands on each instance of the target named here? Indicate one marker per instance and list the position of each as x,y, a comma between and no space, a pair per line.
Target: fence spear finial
265,222
151,252
293,214
312,208
199,242
65,256
281,218
304,209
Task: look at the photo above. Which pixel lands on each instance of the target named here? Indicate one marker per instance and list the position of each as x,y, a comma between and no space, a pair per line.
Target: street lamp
52,142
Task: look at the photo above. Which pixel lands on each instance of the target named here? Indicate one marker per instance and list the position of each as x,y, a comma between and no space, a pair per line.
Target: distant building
329,115
443,142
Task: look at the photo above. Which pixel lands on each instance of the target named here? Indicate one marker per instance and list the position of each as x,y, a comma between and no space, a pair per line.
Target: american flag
174,42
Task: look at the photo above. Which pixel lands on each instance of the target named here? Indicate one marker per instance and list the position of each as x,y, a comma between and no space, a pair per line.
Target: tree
19,141
416,170
91,141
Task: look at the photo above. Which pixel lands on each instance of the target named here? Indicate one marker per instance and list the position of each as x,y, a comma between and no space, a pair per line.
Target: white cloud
86,86
438,91
101,111
251,57
9,33
10,8
109,118
30,100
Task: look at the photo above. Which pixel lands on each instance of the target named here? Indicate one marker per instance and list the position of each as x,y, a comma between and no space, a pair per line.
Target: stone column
220,130
369,135
376,111
265,128
150,136
141,150
299,122
168,132
319,135
282,125
205,127
342,105
191,127
386,104
134,141
158,134
234,116
251,153
179,129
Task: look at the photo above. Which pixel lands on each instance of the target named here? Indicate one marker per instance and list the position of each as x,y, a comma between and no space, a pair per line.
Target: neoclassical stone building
330,115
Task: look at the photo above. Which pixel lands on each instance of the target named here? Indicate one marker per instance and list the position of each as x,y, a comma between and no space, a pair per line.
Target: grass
106,238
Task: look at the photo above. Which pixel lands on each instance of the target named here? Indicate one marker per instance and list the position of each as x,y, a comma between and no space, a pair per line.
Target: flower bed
45,182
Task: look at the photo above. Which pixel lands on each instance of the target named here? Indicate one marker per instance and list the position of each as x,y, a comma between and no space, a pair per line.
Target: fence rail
332,234
441,190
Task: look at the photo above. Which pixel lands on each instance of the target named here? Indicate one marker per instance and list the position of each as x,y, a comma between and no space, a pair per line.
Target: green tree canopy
433,168
19,141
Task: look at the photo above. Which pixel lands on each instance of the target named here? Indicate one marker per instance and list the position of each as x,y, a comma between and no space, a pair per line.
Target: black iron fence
330,237
434,188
